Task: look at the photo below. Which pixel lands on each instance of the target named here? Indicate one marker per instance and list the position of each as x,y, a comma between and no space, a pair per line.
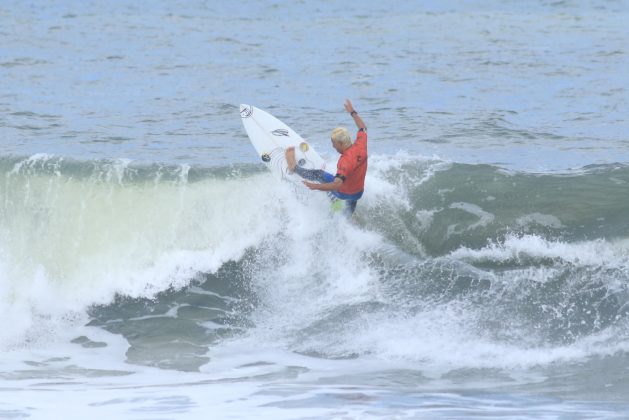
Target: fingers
348,105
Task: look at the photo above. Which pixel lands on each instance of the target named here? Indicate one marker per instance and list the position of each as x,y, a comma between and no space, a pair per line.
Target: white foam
547,220
585,253
70,244
31,161
387,181
484,218
445,337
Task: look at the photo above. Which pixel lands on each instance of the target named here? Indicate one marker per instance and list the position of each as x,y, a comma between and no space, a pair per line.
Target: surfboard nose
245,110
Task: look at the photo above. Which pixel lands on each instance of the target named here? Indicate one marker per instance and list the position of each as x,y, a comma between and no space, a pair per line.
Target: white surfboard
270,137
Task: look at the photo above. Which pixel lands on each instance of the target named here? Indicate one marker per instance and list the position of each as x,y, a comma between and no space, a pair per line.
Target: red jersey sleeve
361,137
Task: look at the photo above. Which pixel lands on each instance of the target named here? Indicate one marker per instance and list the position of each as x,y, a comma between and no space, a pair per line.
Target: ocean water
151,267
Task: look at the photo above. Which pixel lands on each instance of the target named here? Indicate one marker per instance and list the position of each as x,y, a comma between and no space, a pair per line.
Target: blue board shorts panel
349,197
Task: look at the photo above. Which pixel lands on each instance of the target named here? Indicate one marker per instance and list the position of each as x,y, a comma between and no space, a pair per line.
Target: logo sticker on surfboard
304,146
246,111
280,132
266,157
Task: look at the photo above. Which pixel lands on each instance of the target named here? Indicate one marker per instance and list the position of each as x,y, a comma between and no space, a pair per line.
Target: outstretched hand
359,121
348,106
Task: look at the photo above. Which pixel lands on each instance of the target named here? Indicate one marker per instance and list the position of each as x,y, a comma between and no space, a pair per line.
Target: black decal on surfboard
246,112
280,132
266,157
301,162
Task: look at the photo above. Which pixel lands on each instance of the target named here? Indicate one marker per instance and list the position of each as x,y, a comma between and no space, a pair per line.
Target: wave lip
75,234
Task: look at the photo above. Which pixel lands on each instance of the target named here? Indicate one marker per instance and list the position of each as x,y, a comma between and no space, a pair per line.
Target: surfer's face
338,146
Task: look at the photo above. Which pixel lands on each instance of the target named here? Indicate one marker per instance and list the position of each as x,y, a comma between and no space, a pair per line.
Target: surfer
349,182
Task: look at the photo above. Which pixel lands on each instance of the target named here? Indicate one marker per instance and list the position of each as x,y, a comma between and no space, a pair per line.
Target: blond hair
341,135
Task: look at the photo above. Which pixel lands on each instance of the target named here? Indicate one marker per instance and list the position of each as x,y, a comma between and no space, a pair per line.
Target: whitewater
152,267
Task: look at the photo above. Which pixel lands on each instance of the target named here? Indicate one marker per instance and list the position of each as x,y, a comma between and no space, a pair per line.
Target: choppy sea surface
151,267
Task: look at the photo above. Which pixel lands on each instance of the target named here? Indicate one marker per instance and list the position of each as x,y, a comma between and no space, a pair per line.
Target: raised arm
359,121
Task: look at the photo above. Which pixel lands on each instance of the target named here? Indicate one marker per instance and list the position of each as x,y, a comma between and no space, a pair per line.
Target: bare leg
290,158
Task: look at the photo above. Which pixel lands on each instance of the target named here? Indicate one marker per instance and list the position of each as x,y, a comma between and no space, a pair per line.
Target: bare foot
290,158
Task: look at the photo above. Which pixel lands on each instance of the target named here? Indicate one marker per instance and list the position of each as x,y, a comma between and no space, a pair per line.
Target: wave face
524,269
